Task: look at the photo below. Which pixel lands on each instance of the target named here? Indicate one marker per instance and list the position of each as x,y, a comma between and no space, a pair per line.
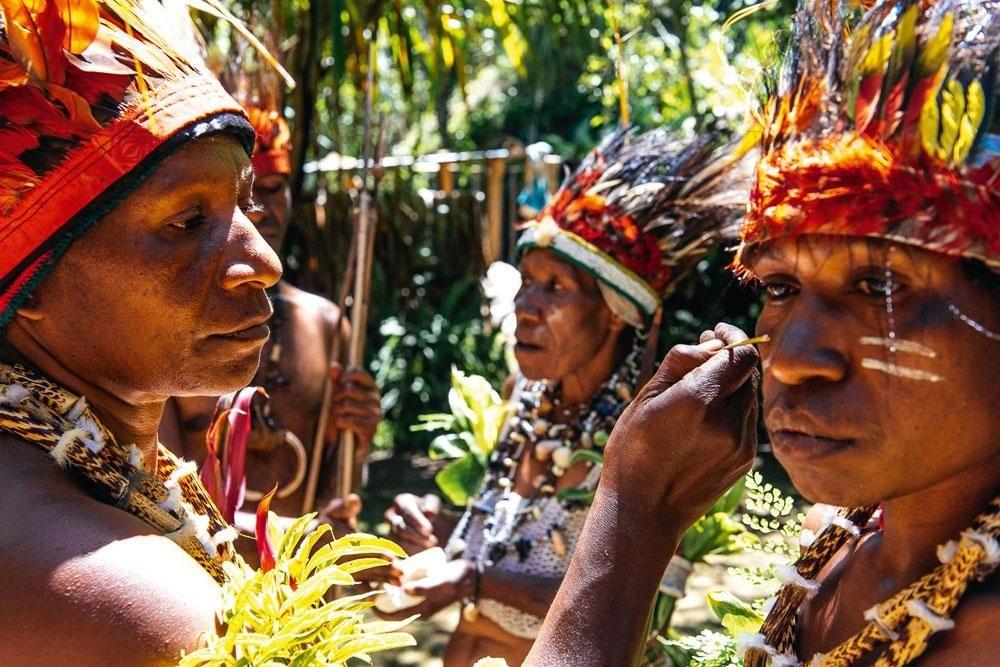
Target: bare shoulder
316,306
86,583
973,641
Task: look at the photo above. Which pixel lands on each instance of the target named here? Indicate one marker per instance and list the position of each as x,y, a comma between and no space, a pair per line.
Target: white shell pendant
544,449
558,541
561,457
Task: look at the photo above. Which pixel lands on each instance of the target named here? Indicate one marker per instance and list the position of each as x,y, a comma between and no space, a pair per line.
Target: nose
248,260
802,347
526,309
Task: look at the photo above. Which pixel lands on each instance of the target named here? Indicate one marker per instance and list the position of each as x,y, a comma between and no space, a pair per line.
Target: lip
527,348
792,445
253,331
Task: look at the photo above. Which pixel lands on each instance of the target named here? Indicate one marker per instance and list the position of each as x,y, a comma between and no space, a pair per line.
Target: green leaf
586,455
736,616
460,479
449,446
576,494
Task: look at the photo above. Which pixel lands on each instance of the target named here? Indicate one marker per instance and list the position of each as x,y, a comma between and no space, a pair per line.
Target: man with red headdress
294,365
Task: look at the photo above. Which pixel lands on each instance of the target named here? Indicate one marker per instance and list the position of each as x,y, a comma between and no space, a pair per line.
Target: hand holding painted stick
691,431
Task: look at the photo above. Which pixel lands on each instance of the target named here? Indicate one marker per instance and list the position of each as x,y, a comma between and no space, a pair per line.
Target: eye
269,190
555,285
879,285
778,290
189,224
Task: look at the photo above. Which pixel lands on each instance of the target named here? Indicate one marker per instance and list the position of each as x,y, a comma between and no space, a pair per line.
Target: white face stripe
900,345
899,371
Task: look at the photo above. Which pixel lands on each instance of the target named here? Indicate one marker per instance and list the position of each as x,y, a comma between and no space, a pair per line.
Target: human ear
616,324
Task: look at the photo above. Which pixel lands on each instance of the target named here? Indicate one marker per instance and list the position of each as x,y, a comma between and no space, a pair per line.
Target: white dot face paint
976,326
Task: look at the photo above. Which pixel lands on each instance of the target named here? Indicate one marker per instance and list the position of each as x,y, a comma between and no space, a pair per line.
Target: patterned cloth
170,498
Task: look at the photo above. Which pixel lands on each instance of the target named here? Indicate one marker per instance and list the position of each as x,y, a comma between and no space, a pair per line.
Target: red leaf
264,547
234,480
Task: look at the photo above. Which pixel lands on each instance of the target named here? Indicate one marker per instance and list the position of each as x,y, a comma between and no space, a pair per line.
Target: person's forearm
600,613
526,592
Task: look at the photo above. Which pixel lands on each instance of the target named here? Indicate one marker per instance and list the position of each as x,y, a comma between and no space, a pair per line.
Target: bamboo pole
494,208
446,179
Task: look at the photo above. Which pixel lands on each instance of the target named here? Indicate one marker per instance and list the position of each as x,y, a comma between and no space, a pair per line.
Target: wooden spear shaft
358,275
359,320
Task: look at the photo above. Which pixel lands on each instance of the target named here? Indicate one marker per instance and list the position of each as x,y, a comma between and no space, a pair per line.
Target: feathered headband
640,211
882,128
272,143
260,88
94,94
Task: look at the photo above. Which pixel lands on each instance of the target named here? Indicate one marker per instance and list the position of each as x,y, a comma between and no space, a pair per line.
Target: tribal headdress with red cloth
94,94
640,211
260,87
272,150
883,129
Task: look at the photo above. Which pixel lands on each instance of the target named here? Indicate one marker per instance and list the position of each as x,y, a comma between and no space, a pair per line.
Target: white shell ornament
544,449
561,457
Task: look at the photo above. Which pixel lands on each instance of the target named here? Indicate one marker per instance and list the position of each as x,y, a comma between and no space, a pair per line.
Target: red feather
891,116
868,95
35,31
81,19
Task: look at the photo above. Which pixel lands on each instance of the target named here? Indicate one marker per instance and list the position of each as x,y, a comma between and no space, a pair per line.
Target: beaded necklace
170,498
900,628
533,431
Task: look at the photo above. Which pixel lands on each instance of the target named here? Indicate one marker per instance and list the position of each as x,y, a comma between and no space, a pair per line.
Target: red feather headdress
260,88
93,95
640,212
881,128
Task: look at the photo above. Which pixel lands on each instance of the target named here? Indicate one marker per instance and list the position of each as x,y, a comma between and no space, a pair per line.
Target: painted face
165,295
873,387
271,192
562,320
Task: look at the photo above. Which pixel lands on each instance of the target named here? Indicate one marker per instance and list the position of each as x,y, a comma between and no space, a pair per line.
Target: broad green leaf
460,479
448,446
735,615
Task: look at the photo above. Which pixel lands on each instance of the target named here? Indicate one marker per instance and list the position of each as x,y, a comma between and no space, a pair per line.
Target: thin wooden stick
620,72
336,346
749,341
362,277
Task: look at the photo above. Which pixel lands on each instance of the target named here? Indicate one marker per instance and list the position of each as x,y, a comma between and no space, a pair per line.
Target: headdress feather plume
879,124
650,205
